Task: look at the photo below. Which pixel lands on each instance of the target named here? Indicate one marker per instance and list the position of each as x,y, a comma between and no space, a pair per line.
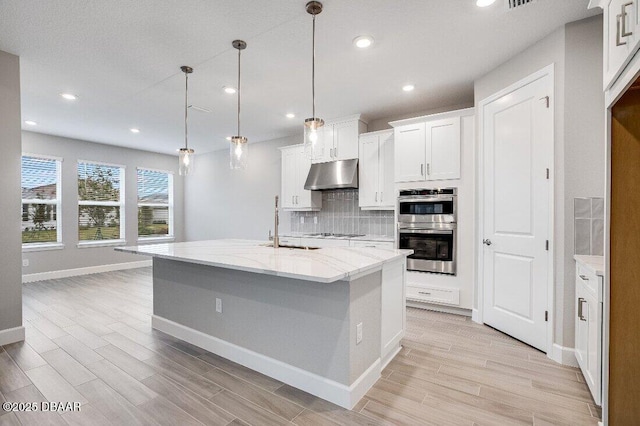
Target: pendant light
186,154
239,148
313,147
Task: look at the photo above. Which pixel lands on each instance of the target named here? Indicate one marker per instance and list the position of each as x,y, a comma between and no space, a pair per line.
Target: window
155,204
100,202
40,201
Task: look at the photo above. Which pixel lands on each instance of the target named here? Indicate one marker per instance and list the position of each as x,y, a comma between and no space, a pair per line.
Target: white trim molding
563,355
64,273
11,335
330,390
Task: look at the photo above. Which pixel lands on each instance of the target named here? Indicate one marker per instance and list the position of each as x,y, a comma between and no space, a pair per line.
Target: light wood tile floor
89,339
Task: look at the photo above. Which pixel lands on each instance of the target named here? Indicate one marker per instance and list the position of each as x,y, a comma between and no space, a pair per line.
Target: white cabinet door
386,171
289,177
443,149
345,140
619,19
593,374
302,196
410,153
325,137
368,171
581,329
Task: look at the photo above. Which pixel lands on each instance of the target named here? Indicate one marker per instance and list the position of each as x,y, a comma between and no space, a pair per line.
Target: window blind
40,181
100,202
155,210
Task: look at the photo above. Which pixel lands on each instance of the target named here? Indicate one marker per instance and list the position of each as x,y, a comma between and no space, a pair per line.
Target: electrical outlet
301,219
358,333
218,305
315,220
25,262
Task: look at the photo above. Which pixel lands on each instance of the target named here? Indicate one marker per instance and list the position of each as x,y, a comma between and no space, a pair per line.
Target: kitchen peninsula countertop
324,265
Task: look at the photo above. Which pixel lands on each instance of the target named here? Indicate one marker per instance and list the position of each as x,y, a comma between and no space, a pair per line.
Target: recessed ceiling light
228,138
291,115
484,3
408,87
230,90
134,130
363,41
69,96
30,123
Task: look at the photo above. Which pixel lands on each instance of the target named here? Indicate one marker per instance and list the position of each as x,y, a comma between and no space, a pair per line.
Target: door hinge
546,315
547,99
547,173
546,245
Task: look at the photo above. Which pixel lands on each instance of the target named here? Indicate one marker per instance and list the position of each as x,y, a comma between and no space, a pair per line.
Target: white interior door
518,147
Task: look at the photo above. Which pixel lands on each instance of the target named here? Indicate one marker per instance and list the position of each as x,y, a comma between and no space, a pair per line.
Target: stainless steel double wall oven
427,225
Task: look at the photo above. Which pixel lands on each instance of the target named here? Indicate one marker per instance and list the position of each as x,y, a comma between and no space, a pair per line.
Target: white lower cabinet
375,244
588,329
324,242
430,294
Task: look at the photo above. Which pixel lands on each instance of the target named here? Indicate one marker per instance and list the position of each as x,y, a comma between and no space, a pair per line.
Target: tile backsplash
340,214
588,214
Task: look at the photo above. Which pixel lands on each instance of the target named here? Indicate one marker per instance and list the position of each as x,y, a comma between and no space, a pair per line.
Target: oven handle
426,200
425,231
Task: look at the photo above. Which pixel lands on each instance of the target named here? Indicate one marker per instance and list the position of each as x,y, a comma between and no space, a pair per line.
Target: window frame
170,178
121,204
57,202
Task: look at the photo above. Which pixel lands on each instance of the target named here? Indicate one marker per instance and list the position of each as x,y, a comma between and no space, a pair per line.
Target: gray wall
10,123
225,203
72,150
576,51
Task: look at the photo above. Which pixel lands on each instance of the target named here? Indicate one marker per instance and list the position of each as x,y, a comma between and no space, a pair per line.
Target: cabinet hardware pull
335,152
381,196
618,32
623,31
584,278
421,169
376,197
429,169
425,293
580,302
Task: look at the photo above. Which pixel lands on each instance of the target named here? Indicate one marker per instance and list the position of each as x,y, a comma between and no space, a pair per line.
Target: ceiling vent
514,4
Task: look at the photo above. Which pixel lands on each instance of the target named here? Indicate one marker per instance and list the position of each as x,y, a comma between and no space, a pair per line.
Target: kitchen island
326,321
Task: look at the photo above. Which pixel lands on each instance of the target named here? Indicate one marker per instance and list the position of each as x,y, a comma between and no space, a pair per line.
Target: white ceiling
122,58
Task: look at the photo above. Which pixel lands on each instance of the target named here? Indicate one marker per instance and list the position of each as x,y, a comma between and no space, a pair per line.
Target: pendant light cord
186,109
313,68
239,92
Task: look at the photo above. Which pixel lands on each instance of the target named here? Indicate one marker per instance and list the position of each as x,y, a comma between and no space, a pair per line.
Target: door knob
487,242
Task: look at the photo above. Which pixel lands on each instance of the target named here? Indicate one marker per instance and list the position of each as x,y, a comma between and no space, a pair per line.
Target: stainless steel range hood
333,175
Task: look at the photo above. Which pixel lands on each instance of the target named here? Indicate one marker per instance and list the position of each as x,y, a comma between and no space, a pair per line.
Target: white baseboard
11,335
563,355
439,308
64,273
475,316
330,390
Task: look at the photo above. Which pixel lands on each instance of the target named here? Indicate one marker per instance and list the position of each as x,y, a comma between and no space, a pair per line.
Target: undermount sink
291,247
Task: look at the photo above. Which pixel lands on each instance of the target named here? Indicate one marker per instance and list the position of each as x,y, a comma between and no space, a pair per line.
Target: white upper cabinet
376,171
410,153
443,149
295,168
340,139
428,148
621,38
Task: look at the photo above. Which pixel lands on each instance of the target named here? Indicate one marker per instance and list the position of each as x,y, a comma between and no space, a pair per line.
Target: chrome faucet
276,238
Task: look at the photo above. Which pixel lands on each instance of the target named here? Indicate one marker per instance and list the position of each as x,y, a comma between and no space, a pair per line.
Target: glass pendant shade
313,142
238,153
185,159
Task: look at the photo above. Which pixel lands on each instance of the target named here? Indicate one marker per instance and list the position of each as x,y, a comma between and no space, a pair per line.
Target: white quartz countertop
324,265
593,263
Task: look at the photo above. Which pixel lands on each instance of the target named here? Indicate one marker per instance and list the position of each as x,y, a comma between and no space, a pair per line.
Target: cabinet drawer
376,244
289,241
447,296
589,279
324,242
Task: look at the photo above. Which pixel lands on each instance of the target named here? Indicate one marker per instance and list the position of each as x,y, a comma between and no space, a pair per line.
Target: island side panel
301,323
365,296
